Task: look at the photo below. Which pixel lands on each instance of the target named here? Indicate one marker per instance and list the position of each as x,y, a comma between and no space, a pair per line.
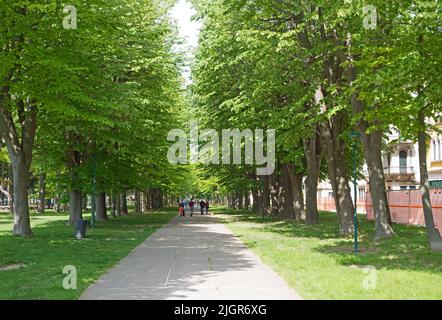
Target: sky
188,29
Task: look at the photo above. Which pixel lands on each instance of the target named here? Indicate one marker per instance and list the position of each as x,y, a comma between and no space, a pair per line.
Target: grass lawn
53,247
319,264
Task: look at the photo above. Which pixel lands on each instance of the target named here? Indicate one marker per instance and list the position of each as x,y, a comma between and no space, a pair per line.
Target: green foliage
260,63
107,92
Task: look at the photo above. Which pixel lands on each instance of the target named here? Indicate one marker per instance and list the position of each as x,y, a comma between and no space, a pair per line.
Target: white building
401,166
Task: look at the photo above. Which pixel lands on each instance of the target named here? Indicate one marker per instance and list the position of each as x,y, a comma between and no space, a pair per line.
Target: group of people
204,206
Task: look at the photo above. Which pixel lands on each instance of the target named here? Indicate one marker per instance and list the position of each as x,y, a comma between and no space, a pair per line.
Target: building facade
401,169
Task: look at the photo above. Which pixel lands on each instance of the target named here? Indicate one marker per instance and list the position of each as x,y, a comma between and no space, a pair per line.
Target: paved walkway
191,258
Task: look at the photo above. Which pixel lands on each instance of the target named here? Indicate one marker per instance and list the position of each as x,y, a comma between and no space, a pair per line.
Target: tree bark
137,203
118,204
42,193
75,206
288,191
146,200
20,154
247,200
240,200
100,200
84,202
275,194
114,204
265,197
372,147
434,237
255,200
312,150
22,225
124,210
11,191
336,164
295,181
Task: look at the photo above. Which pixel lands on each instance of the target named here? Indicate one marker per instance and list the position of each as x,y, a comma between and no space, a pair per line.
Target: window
403,187
362,194
436,184
403,161
438,149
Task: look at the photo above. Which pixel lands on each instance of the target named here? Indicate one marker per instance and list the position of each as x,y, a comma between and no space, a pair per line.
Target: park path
191,258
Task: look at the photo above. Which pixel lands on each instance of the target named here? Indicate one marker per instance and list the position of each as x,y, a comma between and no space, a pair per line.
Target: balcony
400,174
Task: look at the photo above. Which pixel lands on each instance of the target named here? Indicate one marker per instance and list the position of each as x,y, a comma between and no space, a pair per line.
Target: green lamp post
354,135
94,187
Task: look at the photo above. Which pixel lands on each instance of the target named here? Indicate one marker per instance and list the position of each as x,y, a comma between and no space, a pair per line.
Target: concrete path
191,258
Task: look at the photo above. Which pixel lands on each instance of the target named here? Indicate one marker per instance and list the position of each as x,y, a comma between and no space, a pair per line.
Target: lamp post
94,187
354,135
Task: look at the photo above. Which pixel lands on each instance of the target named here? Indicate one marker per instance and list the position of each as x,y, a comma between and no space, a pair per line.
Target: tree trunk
154,199
146,202
57,204
240,200
42,193
295,181
114,204
372,145
434,237
22,224
336,164
84,202
255,200
20,153
75,206
11,191
100,200
275,193
247,200
137,203
160,199
288,191
118,204
124,210
312,150
265,197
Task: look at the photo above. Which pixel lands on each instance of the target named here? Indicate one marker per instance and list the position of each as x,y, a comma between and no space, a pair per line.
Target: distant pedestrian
191,205
181,209
202,205
207,205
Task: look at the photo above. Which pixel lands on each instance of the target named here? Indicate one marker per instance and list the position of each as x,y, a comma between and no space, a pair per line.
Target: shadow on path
191,258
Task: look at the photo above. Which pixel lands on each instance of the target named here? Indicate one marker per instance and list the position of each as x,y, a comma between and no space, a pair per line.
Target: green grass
52,247
319,264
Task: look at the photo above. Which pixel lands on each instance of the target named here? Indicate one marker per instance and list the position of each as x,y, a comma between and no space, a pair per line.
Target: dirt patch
12,266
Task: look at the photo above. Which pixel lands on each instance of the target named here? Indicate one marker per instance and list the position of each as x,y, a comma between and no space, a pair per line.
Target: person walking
207,205
202,205
181,209
191,205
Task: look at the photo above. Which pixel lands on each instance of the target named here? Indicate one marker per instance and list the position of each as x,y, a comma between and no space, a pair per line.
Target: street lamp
94,187
354,135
